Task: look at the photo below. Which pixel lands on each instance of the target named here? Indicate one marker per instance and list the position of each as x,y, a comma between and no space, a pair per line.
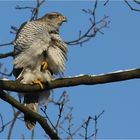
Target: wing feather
57,54
30,45
30,56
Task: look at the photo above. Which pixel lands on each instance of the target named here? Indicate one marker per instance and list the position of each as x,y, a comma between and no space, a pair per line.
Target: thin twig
6,44
6,74
34,10
9,54
47,117
93,29
4,125
133,9
4,96
137,2
106,2
22,8
95,124
12,124
32,135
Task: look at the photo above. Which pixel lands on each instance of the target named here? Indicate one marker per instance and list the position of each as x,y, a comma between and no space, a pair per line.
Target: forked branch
40,119
94,28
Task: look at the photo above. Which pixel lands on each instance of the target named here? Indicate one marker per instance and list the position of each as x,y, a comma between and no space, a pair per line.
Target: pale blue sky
117,49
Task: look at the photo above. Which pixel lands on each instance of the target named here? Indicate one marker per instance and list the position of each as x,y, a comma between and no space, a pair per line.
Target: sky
116,49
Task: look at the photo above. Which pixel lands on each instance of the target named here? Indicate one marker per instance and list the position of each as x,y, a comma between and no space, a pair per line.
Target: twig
95,124
34,10
9,54
106,2
133,9
22,8
137,2
47,117
14,30
87,124
32,135
32,114
93,29
6,74
2,123
12,124
6,44
61,105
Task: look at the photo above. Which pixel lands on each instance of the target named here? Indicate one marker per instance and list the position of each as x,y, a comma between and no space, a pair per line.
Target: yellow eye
60,17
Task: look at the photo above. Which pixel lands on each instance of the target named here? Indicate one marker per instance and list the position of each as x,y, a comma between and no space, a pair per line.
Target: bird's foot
39,82
44,65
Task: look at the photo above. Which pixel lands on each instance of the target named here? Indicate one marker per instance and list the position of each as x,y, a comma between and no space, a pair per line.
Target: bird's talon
38,82
44,65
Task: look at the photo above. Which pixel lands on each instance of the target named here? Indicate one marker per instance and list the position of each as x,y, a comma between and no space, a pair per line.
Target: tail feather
44,97
32,104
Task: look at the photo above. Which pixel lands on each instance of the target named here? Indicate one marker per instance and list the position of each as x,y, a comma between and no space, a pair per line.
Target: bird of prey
40,53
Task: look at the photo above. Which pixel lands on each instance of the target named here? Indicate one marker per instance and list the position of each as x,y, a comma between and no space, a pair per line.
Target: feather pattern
38,41
31,43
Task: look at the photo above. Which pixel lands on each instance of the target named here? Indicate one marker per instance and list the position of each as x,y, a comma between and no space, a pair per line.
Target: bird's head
55,18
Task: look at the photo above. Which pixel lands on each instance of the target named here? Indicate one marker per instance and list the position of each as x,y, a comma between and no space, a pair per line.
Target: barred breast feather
32,40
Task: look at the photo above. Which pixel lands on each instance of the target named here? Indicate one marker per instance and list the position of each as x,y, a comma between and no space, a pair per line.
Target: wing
32,39
57,54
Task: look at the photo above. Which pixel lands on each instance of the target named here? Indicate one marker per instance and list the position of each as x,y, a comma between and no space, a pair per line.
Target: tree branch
6,44
73,81
12,124
131,7
93,29
7,55
34,10
4,96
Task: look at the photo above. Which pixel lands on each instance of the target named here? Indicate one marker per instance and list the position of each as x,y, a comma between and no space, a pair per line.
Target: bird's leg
44,65
39,82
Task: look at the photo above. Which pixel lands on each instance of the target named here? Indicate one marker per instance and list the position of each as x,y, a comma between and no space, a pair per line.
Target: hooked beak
64,19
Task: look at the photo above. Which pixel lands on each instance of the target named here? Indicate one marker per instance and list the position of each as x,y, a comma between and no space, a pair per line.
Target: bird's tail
30,102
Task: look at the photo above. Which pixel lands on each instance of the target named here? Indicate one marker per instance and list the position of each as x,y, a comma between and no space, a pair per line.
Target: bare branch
4,125
61,107
132,8
22,8
87,124
106,2
6,44
6,74
73,81
7,55
33,133
12,124
4,96
95,123
96,26
14,30
47,117
34,10
137,2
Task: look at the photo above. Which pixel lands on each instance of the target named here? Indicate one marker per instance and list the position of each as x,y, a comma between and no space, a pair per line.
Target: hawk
40,53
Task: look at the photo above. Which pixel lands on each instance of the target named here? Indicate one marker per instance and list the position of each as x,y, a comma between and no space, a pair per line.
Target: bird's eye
56,16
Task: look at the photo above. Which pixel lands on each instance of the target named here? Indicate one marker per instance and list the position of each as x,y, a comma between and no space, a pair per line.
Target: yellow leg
38,82
44,65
